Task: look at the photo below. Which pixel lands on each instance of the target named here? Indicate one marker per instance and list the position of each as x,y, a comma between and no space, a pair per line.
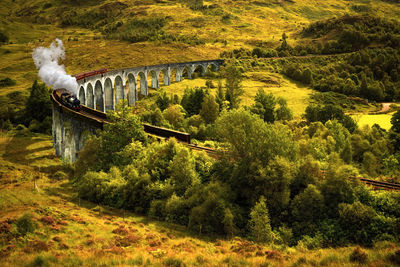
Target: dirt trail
385,107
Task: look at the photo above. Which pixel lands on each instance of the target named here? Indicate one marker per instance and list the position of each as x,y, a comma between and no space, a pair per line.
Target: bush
25,224
359,255
173,262
60,175
3,37
7,82
395,257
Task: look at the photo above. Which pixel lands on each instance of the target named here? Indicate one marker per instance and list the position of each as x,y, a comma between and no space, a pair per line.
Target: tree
233,86
284,44
174,115
395,120
183,172
229,226
220,97
264,106
124,128
38,106
192,100
259,226
307,76
209,109
163,100
283,112
307,209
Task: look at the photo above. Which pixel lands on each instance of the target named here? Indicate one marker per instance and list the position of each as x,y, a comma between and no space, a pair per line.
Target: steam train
84,75
68,99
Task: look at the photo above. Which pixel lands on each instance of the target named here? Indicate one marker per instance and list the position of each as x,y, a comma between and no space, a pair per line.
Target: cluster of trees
198,109
268,184
344,34
371,73
33,111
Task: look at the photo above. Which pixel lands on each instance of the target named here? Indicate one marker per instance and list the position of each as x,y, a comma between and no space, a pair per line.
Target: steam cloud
50,72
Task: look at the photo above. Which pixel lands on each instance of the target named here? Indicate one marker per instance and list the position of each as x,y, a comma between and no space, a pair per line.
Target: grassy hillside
94,32
70,232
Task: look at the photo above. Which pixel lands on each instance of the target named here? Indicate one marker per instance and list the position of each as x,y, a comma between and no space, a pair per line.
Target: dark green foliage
3,37
117,135
38,108
142,30
163,100
395,120
234,88
7,82
264,106
192,100
260,229
355,32
25,224
264,53
358,255
307,209
329,112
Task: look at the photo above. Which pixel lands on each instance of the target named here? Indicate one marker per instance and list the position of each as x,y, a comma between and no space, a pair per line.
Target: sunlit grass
383,120
83,234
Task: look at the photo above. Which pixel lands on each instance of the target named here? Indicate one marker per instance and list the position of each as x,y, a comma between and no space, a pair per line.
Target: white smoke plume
50,72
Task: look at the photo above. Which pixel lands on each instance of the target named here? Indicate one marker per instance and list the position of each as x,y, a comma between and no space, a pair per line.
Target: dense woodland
274,180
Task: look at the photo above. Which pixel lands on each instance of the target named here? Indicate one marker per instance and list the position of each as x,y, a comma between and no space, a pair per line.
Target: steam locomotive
68,99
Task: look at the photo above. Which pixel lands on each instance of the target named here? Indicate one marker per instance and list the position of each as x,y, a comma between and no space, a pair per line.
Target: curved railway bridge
103,91
100,91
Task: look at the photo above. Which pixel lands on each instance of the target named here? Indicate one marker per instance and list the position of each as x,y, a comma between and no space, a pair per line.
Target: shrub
395,257
173,262
358,255
7,82
3,37
60,175
25,224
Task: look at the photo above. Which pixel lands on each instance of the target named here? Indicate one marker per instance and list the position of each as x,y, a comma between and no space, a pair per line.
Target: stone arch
186,73
98,95
119,90
132,92
154,79
164,77
89,96
83,137
175,75
109,94
211,67
81,95
198,71
68,142
143,83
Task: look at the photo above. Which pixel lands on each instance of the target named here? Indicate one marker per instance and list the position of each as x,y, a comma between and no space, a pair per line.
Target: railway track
100,118
379,184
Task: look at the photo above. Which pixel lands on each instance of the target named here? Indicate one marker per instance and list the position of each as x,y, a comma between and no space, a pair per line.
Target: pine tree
38,106
233,86
259,225
209,109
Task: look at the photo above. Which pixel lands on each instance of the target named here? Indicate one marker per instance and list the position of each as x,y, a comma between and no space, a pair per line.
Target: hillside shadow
17,150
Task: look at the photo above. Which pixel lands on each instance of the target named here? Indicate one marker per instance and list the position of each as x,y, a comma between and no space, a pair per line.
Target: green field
383,120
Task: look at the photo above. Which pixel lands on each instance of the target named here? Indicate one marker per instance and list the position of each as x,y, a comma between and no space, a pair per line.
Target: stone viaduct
101,92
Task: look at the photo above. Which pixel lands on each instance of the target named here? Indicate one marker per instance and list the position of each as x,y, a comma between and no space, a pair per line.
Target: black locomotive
68,99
